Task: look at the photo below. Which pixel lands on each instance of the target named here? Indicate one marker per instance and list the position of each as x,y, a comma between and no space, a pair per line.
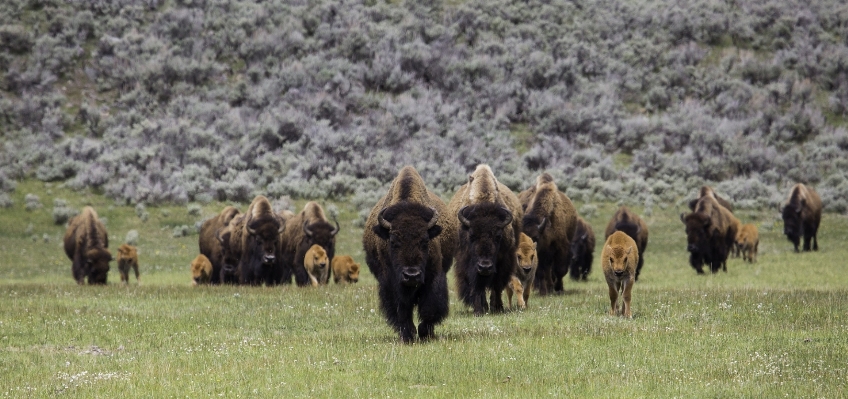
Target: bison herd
496,240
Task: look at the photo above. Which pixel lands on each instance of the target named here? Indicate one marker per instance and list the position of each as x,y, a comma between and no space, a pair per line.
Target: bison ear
382,232
434,231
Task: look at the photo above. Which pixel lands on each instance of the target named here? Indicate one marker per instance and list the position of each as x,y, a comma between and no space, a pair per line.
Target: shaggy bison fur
582,250
87,245
316,264
345,270
201,270
618,261
211,246
489,216
631,224
521,282
710,233
550,221
303,230
409,242
259,244
801,217
747,240
127,259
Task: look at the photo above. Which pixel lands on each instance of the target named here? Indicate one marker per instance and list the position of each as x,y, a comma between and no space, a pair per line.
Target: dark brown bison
710,233
87,245
230,237
210,245
489,216
631,224
708,191
128,259
550,220
303,230
409,243
582,251
260,244
801,216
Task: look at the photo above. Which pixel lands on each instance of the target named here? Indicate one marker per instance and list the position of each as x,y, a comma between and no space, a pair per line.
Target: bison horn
462,219
336,230
542,223
433,219
306,228
282,224
383,222
508,219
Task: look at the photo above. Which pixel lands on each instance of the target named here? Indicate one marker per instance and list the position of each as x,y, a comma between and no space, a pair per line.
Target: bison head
97,265
320,233
534,226
265,233
620,260
408,228
793,227
482,233
697,231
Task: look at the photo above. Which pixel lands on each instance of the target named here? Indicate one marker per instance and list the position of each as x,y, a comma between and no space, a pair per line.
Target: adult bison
550,220
254,239
710,234
211,246
409,242
707,191
631,224
582,250
801,216
303,230
87,245
489,216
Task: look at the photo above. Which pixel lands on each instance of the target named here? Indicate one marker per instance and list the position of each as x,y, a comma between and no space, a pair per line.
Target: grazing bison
127,259
748,239
490,221
201,270
801,216
707,191
303,230
631,224
618,261
87,245
525,271
211,246
316,264
550,220
710,234
345,270
582,250
409,243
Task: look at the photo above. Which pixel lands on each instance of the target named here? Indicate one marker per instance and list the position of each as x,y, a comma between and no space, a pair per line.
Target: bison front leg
405,325
613,295
433,307
625,307
496,300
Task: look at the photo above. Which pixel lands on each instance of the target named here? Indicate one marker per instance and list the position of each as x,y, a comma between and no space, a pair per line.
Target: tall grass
772,329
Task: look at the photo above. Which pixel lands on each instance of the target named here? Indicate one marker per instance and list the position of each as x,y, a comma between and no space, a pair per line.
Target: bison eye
611,261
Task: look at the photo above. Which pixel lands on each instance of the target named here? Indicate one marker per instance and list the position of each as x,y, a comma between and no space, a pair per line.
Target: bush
62,212
32,202
132,237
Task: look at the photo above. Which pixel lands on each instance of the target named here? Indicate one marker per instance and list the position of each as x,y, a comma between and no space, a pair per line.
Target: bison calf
345,270
582,249
127,258
201,270
619,260
526,262
317,265
747,239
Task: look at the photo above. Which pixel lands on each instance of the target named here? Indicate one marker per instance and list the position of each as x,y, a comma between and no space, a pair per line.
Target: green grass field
778,328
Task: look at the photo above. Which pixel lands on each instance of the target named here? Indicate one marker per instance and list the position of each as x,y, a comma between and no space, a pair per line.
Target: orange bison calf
127,258
317,265
618,260
201,270
526,263
748,239
345,270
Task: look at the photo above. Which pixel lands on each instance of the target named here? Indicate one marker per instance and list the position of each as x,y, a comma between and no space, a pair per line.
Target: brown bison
801,216
230,237
582,251
707,191
127,259
345,270
303,230
211,246
409,243
631,224
253,239
525,271
748,239
489,217
618,261
87,245
201,270
316,264
550,221
710,233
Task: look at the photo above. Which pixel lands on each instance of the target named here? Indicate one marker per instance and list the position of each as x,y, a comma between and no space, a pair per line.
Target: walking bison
345,270
211,246
748,239
802,216
521,282
308,227
710,233
582,251
489,216
259,243
409,242
127,259
631,224
87,245
618,261
316,264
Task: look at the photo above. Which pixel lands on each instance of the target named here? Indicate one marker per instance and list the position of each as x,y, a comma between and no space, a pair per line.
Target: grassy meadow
777,328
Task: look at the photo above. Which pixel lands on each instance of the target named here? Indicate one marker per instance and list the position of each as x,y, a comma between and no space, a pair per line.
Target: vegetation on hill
199,100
